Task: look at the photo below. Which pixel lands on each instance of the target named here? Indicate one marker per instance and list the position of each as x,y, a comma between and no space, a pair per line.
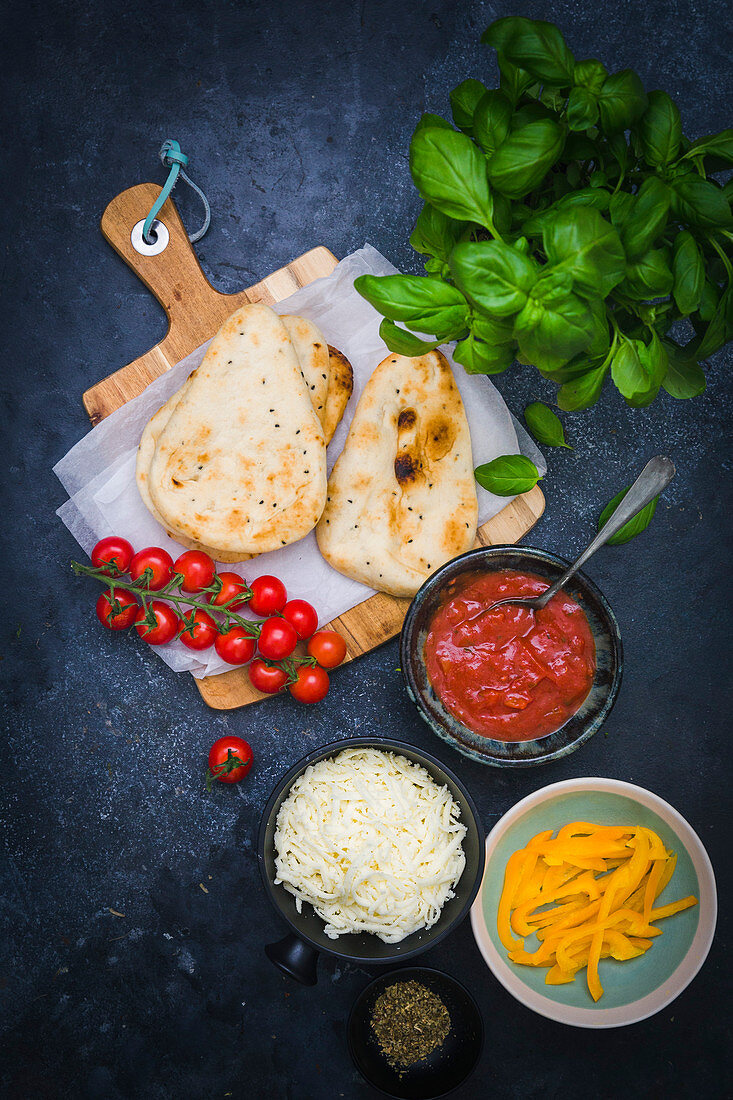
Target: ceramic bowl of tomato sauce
510,687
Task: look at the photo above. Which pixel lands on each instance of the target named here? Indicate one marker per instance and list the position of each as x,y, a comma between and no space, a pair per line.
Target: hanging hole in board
158,242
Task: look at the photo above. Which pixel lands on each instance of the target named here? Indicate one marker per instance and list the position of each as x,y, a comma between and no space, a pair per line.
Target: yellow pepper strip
511,880
652,882
675,907
531,886
537,841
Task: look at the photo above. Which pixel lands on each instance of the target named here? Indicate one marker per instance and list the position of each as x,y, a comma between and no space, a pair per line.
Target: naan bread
340,388
241,462
401,497
312,351
145,451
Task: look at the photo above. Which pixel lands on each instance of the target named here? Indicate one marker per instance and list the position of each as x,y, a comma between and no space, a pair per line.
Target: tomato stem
172,593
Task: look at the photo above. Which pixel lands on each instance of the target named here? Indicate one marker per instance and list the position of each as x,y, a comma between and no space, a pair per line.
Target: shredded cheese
371,841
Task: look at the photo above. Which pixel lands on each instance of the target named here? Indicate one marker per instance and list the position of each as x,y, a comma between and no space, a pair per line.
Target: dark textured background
297,117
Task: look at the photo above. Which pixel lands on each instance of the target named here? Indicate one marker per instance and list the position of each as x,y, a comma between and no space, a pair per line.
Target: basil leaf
425,304
646,217
620,208
428,121
684,378
513,81
582,110
700,203
590,74
636,524
552,332
649,277
717,145
588,248
478,357
720,326
402,342
708,301
492,331
660,129
534,45
507,475
637,370
545,426
463,101
491,121
688,268
525,157
450,173
582,392
535,223
435,234
494,276
621,101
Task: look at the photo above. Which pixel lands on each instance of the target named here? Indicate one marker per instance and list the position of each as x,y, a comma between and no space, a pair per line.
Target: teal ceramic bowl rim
509,974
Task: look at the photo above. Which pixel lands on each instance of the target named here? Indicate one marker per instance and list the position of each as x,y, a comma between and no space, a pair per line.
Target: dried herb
409,1022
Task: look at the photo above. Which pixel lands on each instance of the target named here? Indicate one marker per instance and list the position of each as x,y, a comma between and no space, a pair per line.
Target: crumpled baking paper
99,472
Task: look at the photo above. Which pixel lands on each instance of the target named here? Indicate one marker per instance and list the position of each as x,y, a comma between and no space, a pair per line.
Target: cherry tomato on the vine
302,616
236,647
268,595
112,551
204,631
230,758
122,619
231,585
277,639
158,561
197,570
166,626
267,678
311,685
328,648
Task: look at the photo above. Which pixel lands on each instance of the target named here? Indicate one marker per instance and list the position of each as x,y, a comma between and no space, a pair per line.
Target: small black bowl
443,1070
297,954
519,754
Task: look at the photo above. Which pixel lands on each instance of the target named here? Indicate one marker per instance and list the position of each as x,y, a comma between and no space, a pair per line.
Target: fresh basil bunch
568,224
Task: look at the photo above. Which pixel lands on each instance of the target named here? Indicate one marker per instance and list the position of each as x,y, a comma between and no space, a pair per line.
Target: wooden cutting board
195,311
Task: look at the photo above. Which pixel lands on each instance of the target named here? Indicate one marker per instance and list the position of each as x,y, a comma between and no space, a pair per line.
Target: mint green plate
637,988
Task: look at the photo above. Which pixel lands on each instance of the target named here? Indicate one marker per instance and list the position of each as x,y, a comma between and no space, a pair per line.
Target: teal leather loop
172,157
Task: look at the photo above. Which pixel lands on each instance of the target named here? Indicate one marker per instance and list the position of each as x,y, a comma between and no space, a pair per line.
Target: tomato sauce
512,674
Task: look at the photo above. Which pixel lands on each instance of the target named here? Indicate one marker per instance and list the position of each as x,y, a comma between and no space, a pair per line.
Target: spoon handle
655,477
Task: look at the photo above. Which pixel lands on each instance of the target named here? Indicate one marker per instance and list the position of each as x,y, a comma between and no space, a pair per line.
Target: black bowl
297,954
580,726
443,1070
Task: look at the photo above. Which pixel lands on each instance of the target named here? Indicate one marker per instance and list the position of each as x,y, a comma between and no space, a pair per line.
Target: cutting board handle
174,275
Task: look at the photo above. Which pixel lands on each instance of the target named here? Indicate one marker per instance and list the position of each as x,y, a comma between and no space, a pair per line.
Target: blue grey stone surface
133,920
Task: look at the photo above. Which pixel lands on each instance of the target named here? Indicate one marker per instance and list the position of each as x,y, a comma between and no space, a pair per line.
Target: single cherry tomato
230,758
158,561
113,551
197,570
302,616
204,631
166,626
117,620
266,678
268,595
236,647
328,648
311,685
277,639
231,585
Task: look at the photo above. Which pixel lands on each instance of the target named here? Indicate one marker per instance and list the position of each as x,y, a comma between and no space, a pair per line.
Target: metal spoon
655,477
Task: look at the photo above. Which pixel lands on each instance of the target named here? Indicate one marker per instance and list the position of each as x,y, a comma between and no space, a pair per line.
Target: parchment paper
98,473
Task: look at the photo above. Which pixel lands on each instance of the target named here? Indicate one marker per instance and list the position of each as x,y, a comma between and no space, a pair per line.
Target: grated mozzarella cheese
371,841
